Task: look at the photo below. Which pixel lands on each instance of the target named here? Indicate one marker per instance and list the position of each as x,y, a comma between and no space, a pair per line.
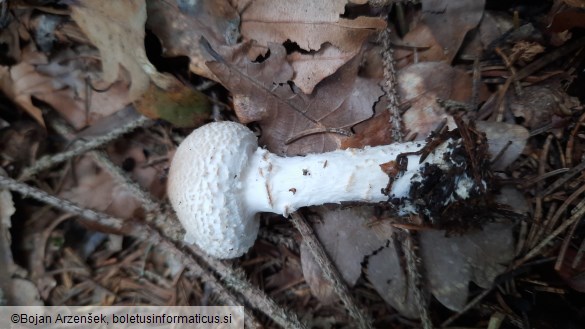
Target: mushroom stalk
284,184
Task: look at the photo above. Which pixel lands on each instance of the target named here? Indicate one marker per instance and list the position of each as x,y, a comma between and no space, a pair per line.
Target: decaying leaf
315,27
61,82
312,68
293,122
453,261
339,230
451,20
310,24
181,24
320,287
506,141
117,30
180,105
421,85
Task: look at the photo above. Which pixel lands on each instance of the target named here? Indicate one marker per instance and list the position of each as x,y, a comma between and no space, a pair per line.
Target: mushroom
219,180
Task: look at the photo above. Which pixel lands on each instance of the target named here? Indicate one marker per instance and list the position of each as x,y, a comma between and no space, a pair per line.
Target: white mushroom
220,180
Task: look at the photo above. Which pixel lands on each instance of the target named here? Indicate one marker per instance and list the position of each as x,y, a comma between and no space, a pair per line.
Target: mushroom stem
284,184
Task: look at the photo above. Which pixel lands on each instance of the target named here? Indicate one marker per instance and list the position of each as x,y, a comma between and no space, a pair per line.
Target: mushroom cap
205,190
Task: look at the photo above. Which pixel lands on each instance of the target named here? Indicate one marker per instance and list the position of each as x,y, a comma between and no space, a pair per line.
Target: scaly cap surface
205,190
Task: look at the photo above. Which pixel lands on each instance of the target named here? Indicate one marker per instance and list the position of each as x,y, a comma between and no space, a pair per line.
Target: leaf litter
308,76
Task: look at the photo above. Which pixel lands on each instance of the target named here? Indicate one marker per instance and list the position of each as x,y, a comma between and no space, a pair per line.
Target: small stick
510,67
414,278
390,86
79,148
330,272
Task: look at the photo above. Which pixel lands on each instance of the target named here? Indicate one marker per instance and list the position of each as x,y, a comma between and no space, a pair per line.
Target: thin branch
81,147
390,86
330,272
413,270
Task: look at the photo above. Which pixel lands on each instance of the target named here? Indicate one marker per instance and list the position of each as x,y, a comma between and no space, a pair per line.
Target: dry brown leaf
451,20
425,47
315,26
61,83
421,84
180,27
312,68
284,112
116,28
340,231
308,23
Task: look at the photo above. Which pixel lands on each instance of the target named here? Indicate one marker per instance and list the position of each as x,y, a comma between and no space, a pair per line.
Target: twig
145,232
390,86
330,272
413,271
510,67
467,307
121,177
81,147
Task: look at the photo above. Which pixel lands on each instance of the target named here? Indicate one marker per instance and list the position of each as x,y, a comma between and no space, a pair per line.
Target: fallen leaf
61,83
567,20
180,26
450,21
451,262
315,27
310,24
312,68
385,272
420,85
539,104
503,137
180,105
284,112
339,230
320,287
117,29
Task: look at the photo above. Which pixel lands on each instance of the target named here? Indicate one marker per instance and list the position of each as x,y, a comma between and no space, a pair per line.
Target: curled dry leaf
180,25
293,122
117,29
